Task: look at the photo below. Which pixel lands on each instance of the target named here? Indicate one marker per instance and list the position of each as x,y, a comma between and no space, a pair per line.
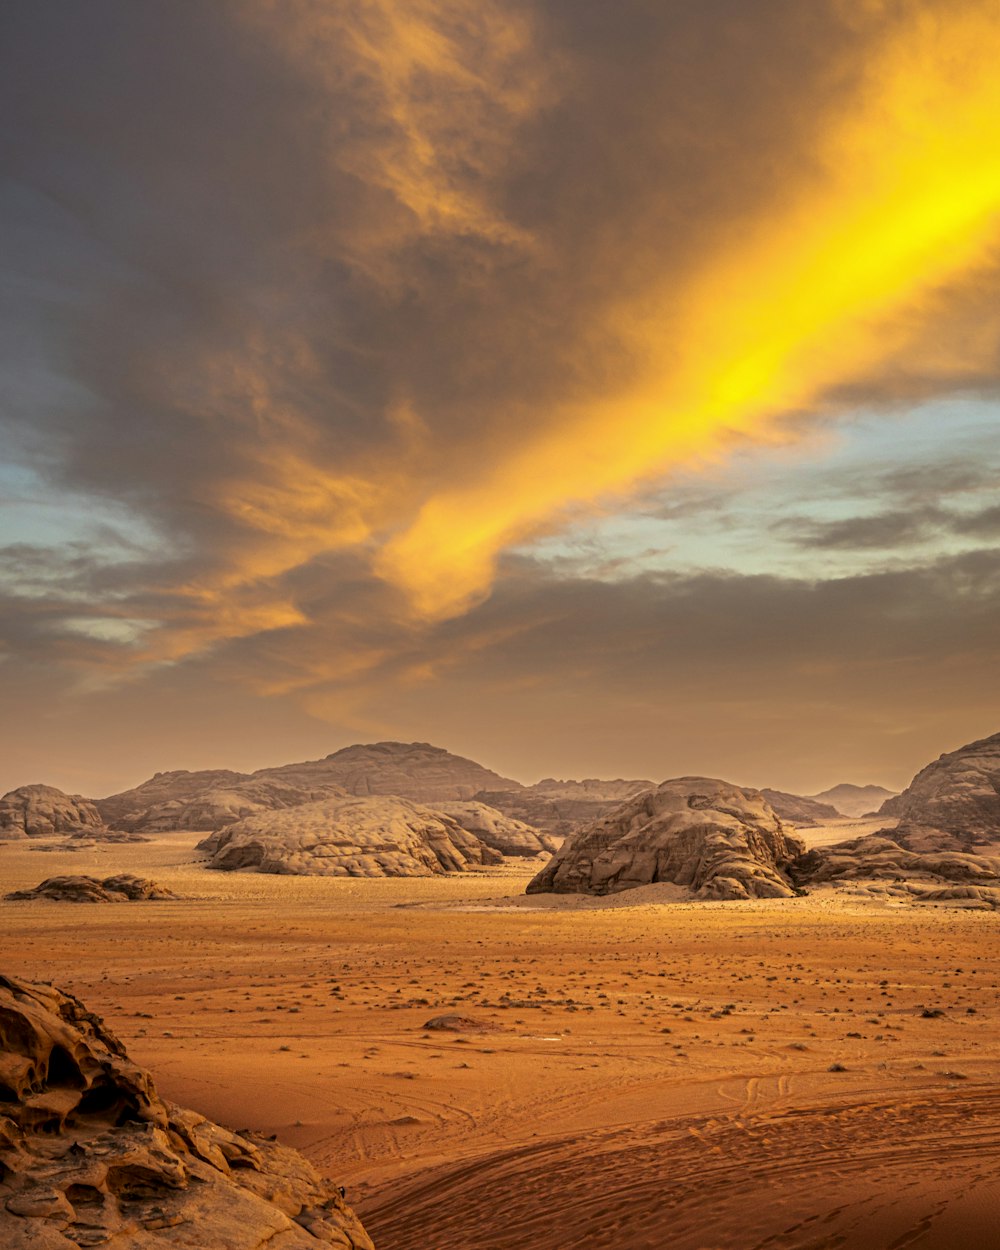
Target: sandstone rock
952,804
40,811
349,837
459,1024
91,1155
504,834
716,839
876,858
123,888
800,810
412,770
560,808
854,801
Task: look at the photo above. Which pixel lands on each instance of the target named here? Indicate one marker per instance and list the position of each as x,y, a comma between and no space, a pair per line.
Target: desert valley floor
817,1072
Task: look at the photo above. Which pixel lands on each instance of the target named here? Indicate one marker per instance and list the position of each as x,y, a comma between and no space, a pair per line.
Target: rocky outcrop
952,804
560,808
932,876
123,888
800,810
412,770
90,1155
41,811
349,837
854,801
202,802
716,839
504,834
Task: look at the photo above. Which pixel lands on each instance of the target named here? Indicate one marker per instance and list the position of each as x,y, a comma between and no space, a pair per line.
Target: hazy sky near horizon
589,389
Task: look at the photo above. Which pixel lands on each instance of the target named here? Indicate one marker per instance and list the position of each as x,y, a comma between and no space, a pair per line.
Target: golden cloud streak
904,196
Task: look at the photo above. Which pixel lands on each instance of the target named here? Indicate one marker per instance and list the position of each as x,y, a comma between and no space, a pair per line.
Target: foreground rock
91,1155
800,810
123,888
510,837
854,801
716,839
879,865
41,811
350,837
952,804
560,808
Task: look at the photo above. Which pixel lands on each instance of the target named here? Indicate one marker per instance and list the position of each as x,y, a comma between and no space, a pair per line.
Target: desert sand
790,1073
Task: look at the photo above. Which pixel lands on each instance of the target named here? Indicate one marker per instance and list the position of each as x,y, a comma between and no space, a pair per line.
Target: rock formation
91,1155
349,836
717,840
560,808
123,888
504,834
800,810
854,801
882,866
412,770
40,811
952,804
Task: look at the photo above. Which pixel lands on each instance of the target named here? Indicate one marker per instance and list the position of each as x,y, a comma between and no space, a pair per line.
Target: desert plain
633,1072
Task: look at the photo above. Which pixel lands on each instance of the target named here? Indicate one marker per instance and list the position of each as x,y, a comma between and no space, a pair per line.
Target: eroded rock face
716,839
952,804
800,810
123,888
350,837
41,811
504,834
880,865
90,1155
560,808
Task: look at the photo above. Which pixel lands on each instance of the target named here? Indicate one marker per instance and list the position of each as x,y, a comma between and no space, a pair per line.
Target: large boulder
952,804
504,834
560,808
714,838
41,811
800,810
413,770
349,836
91,1155
123,888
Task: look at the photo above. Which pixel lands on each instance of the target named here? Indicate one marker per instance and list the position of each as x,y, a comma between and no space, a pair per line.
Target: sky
592,390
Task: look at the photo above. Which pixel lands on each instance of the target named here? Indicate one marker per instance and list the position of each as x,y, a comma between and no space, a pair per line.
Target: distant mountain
854,800
953,803
800,810
561,807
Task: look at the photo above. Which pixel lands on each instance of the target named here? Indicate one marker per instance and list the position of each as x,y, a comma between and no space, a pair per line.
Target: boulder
349,837
953,803
123,888
713,838
91,1155
504,834
41,811
800,810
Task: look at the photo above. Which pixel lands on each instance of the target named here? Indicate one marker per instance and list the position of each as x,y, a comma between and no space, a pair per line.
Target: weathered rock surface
714,838
41,811
349,836
91,1155
800,810
932,876
413,770
560,808
123,888
952,804
504,834
202,801
854,801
